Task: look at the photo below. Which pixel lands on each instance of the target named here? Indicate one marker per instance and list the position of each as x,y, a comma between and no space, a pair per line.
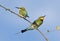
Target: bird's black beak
17,7
44,16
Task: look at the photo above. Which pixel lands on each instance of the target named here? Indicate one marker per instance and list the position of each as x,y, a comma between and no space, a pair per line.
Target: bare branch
14,13
42,34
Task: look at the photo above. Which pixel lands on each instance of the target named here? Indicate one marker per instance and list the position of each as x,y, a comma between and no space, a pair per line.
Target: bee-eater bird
22,12
7,9
34,26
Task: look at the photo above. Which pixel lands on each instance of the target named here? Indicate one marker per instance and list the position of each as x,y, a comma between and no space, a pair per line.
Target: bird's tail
23,30
28,28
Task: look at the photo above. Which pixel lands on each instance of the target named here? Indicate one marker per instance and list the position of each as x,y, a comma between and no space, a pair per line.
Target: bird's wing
26,13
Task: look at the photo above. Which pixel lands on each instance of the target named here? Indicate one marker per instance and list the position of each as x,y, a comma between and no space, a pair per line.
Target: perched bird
19,15
35,24
22,12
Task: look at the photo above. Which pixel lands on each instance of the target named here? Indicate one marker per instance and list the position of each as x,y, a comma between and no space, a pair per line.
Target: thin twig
42,34
14,13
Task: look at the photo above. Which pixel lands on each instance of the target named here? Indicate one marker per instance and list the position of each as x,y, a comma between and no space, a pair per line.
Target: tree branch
42,34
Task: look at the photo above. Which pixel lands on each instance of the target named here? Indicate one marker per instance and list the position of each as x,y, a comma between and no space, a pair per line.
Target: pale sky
11,24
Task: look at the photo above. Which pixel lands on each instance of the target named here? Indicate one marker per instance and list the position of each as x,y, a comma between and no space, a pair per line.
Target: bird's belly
21,16
34,26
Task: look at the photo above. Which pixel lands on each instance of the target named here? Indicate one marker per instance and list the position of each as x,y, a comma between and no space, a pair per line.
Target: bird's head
20,8
42,17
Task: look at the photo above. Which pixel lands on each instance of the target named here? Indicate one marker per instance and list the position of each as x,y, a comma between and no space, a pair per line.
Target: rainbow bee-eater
22,12
34,26
38,22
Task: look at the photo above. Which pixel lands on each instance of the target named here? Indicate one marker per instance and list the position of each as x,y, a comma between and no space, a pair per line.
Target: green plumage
35,24
22,12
